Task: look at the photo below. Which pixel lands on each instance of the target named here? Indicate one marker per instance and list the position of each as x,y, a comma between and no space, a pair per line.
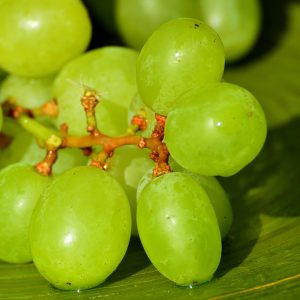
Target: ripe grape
128,165
20,189
110,71
178,229
216,130
38,37
80,228
181,54
237,22
212,187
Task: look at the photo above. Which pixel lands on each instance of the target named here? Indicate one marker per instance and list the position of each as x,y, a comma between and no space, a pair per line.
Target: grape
20,189
137,19
181,54
216,130
237,22
212,187
24,148
178,229
38,37
138,107
128,165
111,72
27,92
216,195
80,228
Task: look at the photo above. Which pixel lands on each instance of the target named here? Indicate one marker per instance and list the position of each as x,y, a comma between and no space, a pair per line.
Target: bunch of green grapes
212,128
76,224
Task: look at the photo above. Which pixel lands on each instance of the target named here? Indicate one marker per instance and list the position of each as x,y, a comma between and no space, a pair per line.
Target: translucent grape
20,189
28,92
217,130
128,165
80,228
178,229
212,187
237,22
137,19
181,54
38,37
111,72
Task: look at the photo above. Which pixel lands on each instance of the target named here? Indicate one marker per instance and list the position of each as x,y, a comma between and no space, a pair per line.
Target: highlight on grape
99,145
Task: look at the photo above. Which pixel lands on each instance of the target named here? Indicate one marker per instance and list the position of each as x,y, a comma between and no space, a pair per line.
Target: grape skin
38,37
181,54
216,130
20,189
178,229
80,228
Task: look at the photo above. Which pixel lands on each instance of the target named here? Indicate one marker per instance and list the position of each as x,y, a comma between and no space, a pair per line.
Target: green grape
237,22
23,147
212,187
216,130
181,54
38,37
110,71
27,92
80,228
138,107
128,165
178,229
20,189
137,19
216,195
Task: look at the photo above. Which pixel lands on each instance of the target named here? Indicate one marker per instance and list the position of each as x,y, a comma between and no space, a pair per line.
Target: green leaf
261,256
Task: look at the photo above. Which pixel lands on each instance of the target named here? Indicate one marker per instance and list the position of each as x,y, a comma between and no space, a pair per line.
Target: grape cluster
167,102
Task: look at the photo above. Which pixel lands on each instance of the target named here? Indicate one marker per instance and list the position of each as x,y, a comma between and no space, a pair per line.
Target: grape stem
48,109
53,141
